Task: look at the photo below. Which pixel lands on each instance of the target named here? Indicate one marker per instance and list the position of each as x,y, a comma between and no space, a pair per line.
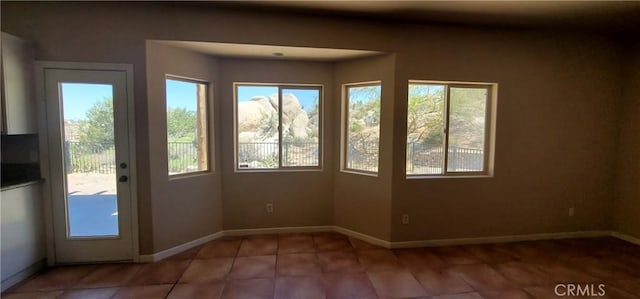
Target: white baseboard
499,239
468,241
150,258
628,238
277,230
362,237
22,275
383,243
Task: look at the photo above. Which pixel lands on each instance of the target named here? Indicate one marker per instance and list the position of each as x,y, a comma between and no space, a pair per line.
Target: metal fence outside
428,159
85,157
95,157
183,157
363,156
265,154
89,157
300,154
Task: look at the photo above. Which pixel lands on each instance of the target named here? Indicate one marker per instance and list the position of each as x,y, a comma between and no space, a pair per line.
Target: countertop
18,174
18,184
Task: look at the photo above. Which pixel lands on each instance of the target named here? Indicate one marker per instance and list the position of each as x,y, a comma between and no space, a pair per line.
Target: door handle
123,178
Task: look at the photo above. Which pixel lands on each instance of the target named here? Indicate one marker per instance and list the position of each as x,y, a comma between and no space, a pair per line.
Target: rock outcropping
258,119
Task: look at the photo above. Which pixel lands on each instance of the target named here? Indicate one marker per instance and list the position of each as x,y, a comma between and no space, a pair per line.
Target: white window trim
344,113
210,130
490,131
280,86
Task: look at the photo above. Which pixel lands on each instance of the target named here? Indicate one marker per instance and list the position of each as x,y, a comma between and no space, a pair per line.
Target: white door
89,164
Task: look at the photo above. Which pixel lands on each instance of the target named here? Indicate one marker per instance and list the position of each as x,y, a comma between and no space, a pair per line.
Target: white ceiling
267,51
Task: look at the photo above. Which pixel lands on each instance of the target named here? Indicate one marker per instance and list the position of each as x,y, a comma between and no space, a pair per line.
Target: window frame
489,130
280,87
344,138
208,97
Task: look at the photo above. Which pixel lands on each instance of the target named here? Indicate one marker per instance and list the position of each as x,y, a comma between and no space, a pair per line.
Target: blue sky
80,97
182,94
364,94
421,89
307,97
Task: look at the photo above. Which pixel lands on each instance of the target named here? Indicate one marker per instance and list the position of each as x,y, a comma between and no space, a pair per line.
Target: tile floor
330,265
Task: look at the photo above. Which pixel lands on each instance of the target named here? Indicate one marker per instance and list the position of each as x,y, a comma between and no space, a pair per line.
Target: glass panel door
88,117
89,155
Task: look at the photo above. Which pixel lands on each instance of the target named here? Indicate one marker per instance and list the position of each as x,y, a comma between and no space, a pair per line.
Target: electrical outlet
269,208
571,211
405,219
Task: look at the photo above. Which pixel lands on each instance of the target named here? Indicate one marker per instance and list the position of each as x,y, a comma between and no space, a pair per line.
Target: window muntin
447,128
362,127
268,137
187,126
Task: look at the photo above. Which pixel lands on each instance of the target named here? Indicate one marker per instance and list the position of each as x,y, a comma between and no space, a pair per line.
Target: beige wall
627,201
556,123
555,140
186,207
68,33
363,203
299,198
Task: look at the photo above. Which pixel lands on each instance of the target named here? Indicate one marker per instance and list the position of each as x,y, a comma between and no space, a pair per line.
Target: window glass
363,127
300,127
271,138
467,110
257,126
425,128
447,128
187,129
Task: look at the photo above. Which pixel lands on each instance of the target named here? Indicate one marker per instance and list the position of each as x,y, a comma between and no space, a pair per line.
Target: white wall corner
150,258
22,275
362,237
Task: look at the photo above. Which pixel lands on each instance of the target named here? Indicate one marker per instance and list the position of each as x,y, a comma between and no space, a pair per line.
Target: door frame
45,169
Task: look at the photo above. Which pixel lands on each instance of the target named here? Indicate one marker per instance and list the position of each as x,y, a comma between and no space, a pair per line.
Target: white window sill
469,176
189,175
250,170
364,173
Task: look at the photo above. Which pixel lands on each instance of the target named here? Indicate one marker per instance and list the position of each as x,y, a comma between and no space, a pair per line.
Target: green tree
364,126
467,117
97,128
181,125
425,114
364,113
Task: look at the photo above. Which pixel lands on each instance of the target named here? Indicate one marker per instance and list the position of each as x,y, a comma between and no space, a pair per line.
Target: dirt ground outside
91,183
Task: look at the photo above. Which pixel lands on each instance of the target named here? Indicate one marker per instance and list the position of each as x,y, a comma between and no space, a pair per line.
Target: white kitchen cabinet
23,237
19,112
